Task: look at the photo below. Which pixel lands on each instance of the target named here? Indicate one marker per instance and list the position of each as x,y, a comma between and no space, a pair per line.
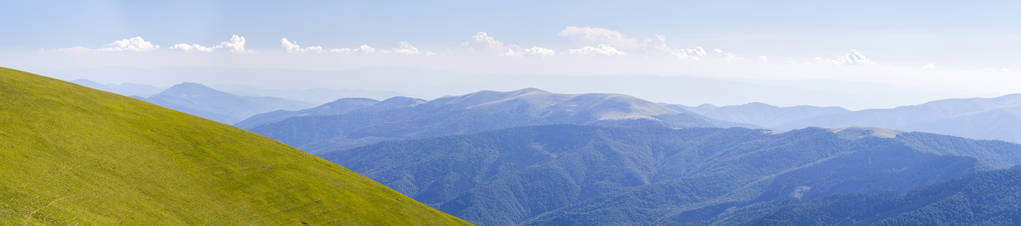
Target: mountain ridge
473,112
978,118
206,102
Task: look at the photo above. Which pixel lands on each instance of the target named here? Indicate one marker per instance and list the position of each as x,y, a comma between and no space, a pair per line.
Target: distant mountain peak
531,91
858,132
399,100
350,100
191,89
201,100
189,85
758,104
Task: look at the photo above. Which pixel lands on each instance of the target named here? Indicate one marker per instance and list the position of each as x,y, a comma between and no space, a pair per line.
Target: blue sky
940,48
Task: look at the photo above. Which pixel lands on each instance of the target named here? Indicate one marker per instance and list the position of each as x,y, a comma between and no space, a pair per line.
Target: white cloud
509,50
852,58
134,44
293,47
289,46
690,53
928,66
191,47
534,51
236,44
659,45
856,58
490,42
366,49
726,55
363,49
407,49
601,36
615,43
601,49
539,51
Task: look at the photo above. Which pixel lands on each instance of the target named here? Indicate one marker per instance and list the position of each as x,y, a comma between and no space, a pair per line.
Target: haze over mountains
127,89
980,118
74,155
313,95
760,114
197,99
318,130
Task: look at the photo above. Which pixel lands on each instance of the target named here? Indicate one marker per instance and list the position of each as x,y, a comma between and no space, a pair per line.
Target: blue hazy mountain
406,118
584,175
126,89
760,114
202,101
987,198
310,95
979,118
338,107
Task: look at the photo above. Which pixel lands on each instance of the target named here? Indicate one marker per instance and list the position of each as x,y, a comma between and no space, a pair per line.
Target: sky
855,54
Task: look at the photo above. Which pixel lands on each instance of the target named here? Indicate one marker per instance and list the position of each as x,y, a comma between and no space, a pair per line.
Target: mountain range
202,101
320,130
979,118
539,158
761,114
311,95
127,89
75,155
648,174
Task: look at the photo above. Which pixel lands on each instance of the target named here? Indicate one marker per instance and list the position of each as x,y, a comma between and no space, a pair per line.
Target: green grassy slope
71,154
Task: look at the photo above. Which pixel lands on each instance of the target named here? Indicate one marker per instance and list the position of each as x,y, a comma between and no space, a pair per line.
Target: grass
74,155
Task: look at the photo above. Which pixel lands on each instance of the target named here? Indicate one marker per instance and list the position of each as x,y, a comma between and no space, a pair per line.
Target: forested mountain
74,155
987,198
202,101
406,118
583,175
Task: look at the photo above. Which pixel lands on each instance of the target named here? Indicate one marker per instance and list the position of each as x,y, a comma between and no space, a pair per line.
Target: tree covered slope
74,155
987,198
584,175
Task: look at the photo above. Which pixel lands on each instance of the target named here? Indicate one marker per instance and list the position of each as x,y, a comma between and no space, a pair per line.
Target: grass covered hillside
76,155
